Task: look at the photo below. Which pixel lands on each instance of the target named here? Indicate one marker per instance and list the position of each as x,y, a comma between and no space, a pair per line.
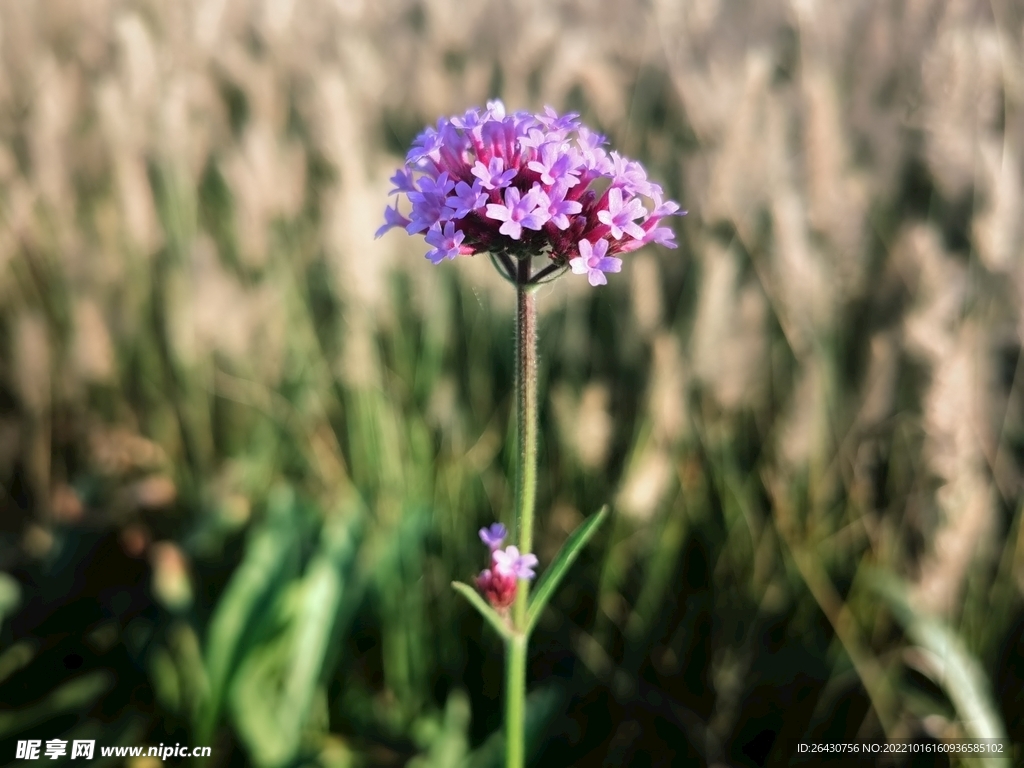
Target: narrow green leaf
250,589
485,610
276,684
322,594
254,700
958,672
552,577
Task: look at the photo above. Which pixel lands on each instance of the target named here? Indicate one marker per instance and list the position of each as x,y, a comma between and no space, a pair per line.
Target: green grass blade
958,672
485,610
552,577
322,594
276,684
249,590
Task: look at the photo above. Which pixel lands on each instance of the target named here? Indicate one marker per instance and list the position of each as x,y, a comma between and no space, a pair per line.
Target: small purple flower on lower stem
493,535
508,566
593,262
509,562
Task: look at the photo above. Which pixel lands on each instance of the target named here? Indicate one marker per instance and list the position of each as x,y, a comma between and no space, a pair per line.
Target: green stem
526,488
515,693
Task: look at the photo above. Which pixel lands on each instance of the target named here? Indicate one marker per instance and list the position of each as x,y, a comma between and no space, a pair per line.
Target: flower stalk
515,701
526,493
526,410
518,187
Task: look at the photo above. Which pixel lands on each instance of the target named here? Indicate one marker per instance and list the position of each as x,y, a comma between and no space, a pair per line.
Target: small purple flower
403,182
427,144
445,240
652,232
472,119
560,123
509,562
594,158
664,208
392,219
493,175
620,215
518,212
559,209
631,177
534,138
428,205
593,262
663,236
495,110
466,198
493,535
556,165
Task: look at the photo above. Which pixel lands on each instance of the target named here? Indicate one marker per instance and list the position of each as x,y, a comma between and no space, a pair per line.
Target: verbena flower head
521,185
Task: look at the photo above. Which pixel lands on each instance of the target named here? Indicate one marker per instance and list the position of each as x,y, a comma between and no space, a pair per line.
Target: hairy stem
526,415
526,486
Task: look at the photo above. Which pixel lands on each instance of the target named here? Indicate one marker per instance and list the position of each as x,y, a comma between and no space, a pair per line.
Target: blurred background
245,448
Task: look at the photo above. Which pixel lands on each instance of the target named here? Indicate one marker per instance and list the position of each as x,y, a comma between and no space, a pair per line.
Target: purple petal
525,566
392,219
498,212
512,228
494,535
403,182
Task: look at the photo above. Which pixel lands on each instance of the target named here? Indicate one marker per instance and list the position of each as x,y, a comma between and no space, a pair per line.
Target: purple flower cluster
522,185
498,583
